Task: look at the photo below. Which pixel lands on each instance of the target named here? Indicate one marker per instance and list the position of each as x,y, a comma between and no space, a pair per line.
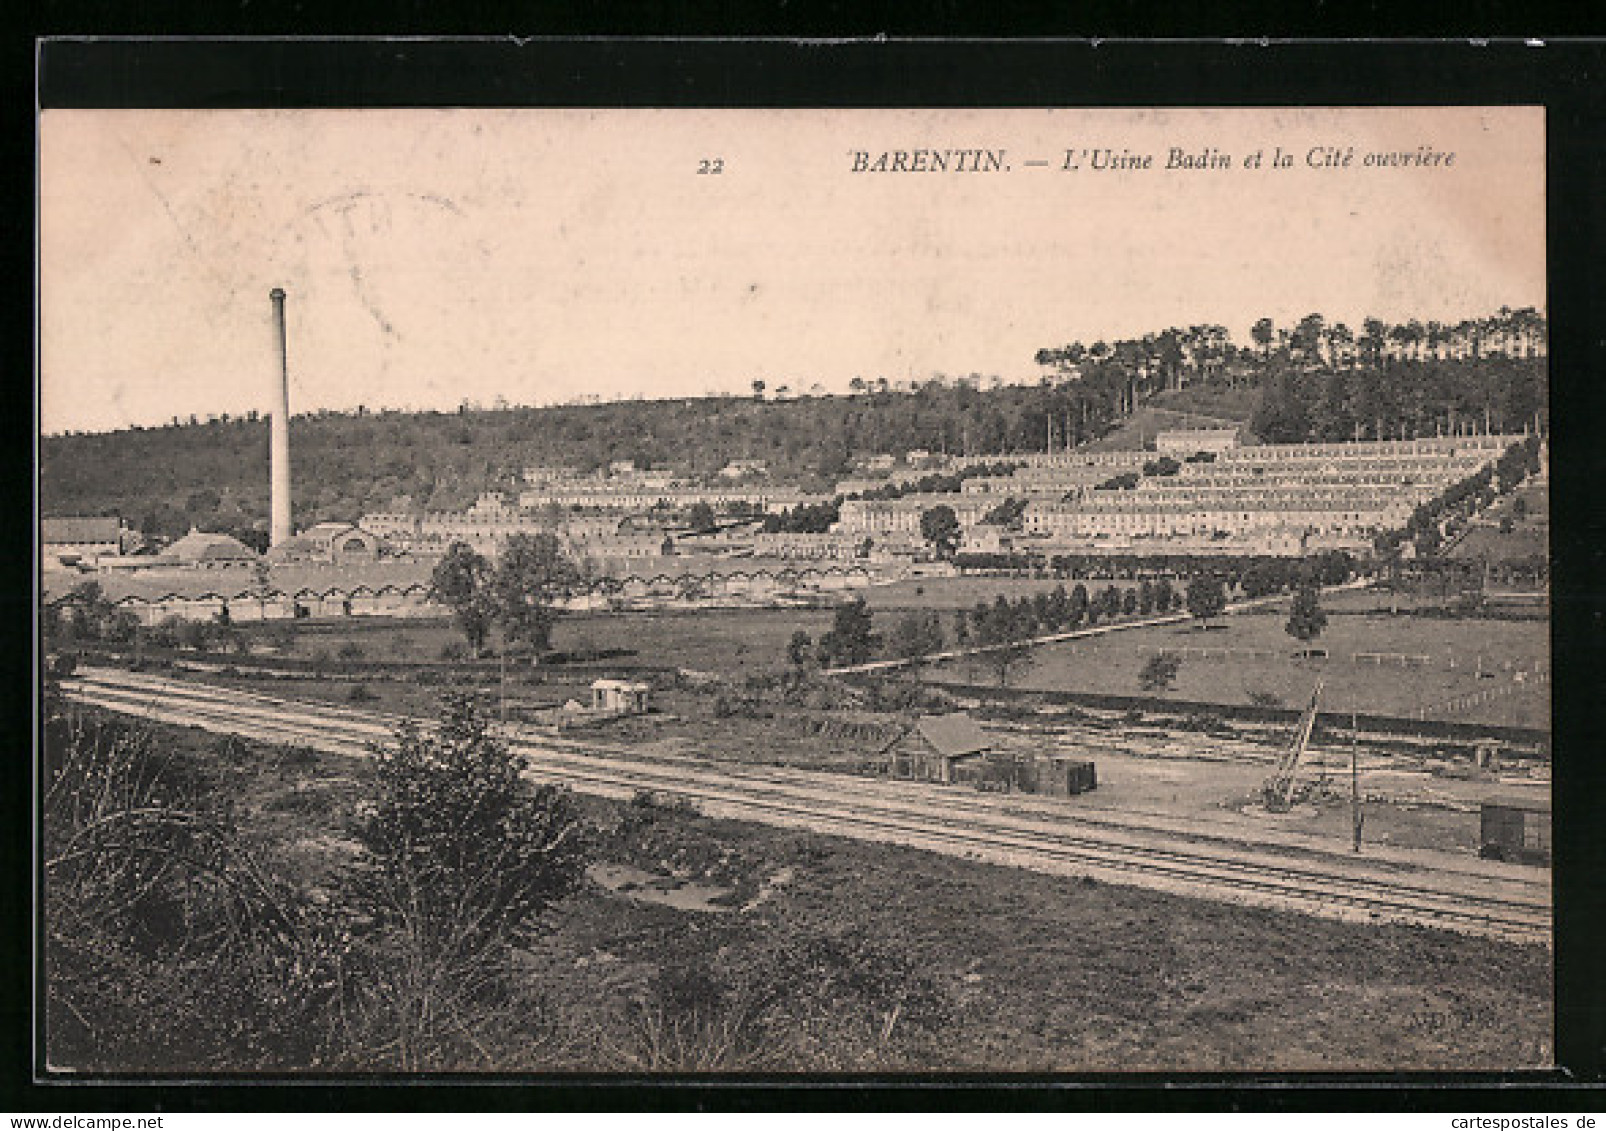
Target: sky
433,257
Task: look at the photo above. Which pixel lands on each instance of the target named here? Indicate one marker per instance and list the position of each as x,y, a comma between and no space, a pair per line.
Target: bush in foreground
460,855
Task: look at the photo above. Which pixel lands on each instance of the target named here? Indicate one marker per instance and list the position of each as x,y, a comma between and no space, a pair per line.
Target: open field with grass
730,641
1412,658
914,961
725,641
1250,654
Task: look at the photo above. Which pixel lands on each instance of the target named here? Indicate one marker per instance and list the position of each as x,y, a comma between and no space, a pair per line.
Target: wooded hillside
1314,382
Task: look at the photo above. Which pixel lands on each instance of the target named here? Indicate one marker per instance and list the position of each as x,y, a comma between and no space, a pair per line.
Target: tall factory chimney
281,529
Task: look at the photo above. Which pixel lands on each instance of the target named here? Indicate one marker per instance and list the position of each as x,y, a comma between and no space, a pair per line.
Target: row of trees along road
1451,510
1003,626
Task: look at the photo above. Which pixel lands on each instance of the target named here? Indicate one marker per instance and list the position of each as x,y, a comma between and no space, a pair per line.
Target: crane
1278,790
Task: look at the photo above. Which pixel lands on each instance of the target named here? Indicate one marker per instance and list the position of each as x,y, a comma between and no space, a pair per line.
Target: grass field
726,641
1029,972
1459,660
1455,650
722,640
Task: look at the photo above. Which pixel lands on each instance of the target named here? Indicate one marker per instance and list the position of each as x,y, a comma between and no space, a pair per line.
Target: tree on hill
940,527
1007,514
93,616
1057,608
1109,602
1002,629
1078,608
1264,578
1264,332
1159,671
1164,597
1010,656
1334,567
261,585
915,635
700,517
799,649
1306,620
461,582
453,808
530,576
852,638
1207,597
1126,481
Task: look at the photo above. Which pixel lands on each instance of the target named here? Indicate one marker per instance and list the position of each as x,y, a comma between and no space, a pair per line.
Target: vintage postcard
652,591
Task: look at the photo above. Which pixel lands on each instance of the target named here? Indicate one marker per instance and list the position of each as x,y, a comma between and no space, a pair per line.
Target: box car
1514,831
1062,777
1056,776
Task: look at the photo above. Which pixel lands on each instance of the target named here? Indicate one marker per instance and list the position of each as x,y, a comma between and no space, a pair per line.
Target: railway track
1103,848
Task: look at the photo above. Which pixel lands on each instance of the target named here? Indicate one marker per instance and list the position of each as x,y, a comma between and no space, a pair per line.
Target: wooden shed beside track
942,748
954,749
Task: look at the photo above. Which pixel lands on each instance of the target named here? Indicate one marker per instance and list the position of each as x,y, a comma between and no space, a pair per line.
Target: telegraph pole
1354,780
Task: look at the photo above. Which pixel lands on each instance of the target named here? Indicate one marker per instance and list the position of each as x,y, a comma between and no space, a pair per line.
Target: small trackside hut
620,697
953,749
941,748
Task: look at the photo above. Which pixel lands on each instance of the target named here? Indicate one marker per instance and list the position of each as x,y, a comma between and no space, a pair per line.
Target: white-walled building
1190,441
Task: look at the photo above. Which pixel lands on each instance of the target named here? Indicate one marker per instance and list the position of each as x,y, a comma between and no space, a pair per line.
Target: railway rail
1103,847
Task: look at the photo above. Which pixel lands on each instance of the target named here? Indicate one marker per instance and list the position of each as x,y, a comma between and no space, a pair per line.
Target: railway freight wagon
1517,832
1061,777
1053,775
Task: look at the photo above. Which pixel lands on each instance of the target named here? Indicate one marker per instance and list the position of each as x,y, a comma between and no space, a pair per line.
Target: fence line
1376,659
1477,698
1187,650
1400,659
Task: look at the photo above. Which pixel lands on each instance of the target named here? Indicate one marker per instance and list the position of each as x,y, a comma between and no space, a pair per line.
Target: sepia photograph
639,592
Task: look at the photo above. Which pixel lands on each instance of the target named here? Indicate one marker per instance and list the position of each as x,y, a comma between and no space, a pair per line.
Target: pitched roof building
937,746
74,538
210,550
